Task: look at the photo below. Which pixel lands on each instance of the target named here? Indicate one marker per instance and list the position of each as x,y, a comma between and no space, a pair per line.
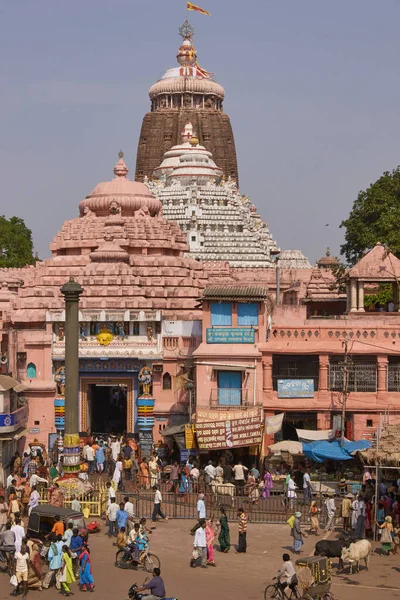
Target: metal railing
393,378
361,378
226,397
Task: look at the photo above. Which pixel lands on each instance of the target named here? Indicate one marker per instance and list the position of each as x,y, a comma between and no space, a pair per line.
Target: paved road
236,576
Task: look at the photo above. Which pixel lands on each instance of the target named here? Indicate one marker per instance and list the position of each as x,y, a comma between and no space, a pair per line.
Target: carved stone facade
186,93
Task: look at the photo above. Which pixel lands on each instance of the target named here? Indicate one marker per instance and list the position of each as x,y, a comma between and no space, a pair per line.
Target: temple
186,93
220,223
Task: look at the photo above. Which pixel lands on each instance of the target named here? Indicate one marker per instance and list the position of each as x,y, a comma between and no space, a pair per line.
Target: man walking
200,545
21,562
157,505
90,456
100,457
130,509
54,557
306,486
112,518
239,472
331,512
242,544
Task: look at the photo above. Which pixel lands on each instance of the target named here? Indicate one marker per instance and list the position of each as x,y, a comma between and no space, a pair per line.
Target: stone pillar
267,373
323,372
353,295
347,296
71,292
361,296
382,373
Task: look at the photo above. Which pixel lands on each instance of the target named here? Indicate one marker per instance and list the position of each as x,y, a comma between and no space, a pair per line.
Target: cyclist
138,542
287,575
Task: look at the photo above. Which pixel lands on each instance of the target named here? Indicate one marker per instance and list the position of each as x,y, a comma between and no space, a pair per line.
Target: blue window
31,371
221,313
248,314
230,388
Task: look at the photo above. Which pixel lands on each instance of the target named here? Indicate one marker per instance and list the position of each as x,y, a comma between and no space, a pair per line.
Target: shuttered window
230,388
221,313
248,314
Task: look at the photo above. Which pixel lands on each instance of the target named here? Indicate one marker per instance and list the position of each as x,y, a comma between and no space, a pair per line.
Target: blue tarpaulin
324,450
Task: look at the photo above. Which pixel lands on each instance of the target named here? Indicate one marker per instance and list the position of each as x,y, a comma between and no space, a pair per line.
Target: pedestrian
112,518
307,489
157,505
7,539
386,537
331,512
33,499
200,545
3,513
153,470
201,513
224,535
242,543
90,457
34,566
67,573
239,471
360,525
19,532
314,511
346,510
117,476
75,504
86,580
110,493
210,535
130,509
21,563
174,476
255,472
357,506
100,457
54,556
267,485
122,516
144,474
75,547
127,464
58,527
291,491
194,477
297,534
68,534
396,537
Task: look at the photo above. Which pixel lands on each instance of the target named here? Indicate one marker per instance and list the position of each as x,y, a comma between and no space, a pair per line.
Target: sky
312,90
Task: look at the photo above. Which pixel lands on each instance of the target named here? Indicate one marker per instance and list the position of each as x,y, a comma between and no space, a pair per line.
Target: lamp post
71,292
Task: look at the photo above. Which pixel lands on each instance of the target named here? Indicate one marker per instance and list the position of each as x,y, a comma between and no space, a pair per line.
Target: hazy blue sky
312,89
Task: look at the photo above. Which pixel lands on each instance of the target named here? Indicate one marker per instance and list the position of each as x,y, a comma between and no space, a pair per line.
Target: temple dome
174,83
195,166
119,196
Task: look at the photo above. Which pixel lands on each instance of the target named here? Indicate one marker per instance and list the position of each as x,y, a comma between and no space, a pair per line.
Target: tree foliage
375,217
16,246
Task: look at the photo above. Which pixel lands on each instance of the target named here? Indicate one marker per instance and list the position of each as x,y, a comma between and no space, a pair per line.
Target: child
122,540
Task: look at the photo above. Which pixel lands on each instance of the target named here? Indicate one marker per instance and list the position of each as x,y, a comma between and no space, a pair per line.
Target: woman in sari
183,483
268,485
56,496
34,566
386,537
144,474
314,517
67,572
251,489
210,535
224,537
86,580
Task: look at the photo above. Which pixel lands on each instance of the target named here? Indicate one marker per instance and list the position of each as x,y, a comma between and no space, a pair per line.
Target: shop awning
323,450
311,435
7,383
286,446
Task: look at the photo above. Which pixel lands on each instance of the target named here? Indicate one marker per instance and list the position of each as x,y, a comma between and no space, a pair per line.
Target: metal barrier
95,500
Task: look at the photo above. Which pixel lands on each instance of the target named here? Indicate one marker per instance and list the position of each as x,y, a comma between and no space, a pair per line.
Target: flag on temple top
191,6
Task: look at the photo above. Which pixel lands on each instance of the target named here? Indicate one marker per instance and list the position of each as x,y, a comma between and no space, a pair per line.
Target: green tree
16,246
375,217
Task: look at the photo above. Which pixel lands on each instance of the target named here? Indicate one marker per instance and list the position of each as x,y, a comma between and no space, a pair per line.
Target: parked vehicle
42,519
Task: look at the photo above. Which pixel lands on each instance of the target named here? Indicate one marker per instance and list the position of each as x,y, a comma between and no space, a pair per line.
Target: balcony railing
10,422
393,378
228,397
360,378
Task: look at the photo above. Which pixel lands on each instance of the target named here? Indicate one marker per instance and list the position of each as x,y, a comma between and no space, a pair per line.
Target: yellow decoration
104,337
86,512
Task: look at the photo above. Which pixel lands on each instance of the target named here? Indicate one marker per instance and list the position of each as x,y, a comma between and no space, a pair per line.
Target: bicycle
148,560
274,590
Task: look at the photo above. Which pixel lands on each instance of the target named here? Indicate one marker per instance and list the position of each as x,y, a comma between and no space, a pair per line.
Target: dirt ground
236,576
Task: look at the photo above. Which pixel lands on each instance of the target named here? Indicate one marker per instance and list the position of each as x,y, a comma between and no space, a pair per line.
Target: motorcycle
133,593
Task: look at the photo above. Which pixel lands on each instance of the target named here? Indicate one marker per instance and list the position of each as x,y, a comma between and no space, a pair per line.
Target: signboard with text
189,437
295,388
233,433
230,335
205,415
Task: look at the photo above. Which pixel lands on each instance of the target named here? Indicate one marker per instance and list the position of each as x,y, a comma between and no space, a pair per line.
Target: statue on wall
115,208
143,211
145,377
60,380
104,337
61,332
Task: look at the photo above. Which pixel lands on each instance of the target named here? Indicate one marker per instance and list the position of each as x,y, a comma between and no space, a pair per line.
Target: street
236,576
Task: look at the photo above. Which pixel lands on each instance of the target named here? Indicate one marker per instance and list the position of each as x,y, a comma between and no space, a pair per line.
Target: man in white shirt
115,449
210,472
110,493
200,545
291,492
201,513
35,479
9,480
130,509
194,476
157,505
90,456
331,510
33,499
287,573
112,518
75,504
21,561
239,471
306,486
219,474
84,451
19,533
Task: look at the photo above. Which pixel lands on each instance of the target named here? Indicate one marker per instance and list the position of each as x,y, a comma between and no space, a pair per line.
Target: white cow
355,552
225,489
